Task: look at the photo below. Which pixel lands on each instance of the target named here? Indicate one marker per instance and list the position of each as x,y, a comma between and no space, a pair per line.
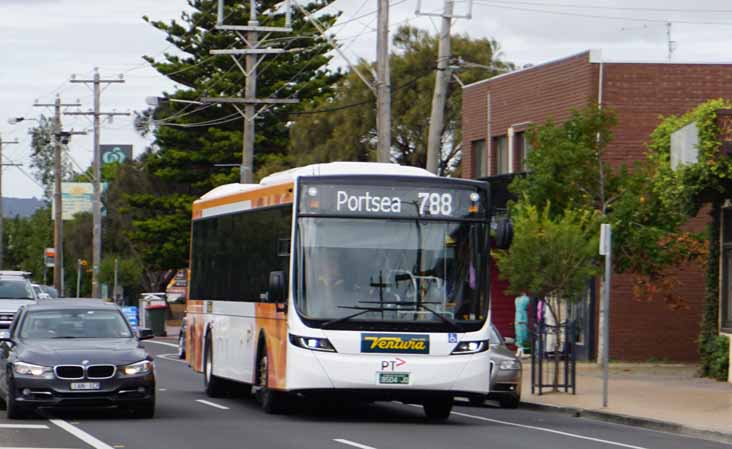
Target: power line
614,8
593,16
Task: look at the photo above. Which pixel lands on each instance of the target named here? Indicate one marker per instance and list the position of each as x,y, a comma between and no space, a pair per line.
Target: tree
568,170
25,242
191,139
343,126
43,156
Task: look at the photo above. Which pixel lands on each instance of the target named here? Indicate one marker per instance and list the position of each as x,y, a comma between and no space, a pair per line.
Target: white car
15,291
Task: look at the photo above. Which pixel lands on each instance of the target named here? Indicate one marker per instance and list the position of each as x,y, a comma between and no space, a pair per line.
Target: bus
345,279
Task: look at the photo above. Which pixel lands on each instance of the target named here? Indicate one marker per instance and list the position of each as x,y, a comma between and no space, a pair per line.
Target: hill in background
24,207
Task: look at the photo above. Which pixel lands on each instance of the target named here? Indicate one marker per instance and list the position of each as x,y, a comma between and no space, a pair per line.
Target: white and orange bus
349,278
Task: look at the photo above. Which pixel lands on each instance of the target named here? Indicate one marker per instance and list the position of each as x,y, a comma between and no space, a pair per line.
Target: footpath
666,397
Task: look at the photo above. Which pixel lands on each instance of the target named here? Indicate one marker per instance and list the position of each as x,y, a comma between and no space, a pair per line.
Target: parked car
505,374
40,294
50,291
15,291
74,353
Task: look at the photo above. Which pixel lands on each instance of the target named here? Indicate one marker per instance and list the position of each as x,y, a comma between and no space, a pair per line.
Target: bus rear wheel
215,386
271,401
438,409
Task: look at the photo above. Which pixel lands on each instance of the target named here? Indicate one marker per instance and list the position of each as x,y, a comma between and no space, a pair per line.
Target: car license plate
394,378
85,386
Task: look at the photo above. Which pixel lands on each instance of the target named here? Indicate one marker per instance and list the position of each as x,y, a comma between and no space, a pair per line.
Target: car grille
100,371
7,317
69,372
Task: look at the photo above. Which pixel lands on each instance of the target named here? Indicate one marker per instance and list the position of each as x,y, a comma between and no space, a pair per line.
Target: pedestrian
521,323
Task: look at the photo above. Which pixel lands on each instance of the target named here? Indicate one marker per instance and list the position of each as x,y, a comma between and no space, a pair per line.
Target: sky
44,42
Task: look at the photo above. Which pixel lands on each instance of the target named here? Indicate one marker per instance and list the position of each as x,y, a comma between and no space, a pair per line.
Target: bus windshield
362,271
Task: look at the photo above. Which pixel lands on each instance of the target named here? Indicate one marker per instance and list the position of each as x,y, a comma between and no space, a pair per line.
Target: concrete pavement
668,393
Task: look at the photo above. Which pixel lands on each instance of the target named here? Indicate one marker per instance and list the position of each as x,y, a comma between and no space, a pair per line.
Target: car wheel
181,346
438,409
509,401
144,410
215,386
15,410
271,401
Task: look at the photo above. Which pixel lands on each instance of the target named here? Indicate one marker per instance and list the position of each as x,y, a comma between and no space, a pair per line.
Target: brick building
498,111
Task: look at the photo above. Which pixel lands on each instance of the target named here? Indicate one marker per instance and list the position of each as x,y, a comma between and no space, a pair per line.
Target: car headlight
507,365
471,347
135,369
312,343
28,369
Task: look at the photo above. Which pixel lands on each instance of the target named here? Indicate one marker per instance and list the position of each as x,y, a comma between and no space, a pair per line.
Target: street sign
76,198
605,239
49,257
111,154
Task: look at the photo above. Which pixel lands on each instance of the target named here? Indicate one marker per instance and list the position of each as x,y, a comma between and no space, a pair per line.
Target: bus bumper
313,370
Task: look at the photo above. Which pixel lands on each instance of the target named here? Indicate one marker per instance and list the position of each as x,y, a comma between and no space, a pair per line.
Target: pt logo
392,364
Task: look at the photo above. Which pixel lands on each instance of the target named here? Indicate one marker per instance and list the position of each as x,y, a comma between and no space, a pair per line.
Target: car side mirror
144,333
7,339
504,233
44,296
277,288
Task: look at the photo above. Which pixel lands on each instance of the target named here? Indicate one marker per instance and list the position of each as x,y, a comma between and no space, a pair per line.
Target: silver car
505,374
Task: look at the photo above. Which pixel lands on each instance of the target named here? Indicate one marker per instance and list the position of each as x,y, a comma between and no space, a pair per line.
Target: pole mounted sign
115,153
49,257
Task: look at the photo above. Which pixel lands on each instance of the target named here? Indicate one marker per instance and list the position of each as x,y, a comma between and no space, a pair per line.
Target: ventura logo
396,343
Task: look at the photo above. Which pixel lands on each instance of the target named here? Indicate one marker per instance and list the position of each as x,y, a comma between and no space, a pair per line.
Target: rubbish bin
155,319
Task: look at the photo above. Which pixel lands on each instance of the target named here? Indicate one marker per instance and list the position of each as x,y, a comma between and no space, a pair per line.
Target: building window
480,168
726,306
501,147
524,148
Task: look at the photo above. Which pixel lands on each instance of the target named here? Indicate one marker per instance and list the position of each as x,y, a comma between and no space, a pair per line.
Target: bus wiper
361,311
453,325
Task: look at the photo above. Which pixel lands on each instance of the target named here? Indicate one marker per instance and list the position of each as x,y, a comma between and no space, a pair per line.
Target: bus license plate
85,386
394,378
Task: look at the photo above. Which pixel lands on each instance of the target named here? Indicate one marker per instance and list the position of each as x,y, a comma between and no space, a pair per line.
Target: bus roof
331,168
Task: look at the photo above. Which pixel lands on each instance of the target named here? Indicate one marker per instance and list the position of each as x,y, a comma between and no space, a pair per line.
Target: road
186,418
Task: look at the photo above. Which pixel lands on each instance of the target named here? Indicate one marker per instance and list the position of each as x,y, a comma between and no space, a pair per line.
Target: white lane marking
352,443
212,404
170,357
23,426
4,447
544,429
164,343
162,389
80,434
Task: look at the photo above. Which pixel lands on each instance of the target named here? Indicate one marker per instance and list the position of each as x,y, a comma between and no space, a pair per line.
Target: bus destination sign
418,200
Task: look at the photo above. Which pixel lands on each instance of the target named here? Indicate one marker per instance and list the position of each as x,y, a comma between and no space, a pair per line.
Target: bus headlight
312,343
471,347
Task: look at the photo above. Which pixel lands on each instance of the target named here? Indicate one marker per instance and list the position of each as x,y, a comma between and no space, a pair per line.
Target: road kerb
635,421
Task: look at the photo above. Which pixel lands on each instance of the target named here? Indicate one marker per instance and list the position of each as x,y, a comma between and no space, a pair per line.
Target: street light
158,101
16,120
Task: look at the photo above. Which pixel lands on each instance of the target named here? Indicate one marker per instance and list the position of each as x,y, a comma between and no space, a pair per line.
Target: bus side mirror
277,287
504,233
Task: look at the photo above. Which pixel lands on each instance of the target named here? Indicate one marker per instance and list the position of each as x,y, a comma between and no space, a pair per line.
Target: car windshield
74,323
52,292
16,289
495,337
391,270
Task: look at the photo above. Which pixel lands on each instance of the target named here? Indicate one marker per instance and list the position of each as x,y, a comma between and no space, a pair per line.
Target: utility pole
442,81
254,54
97,207
383,84
604,347
2,211
58,222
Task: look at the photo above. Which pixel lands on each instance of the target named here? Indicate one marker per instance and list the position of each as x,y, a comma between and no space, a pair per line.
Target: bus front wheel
214,385
438,409
271,401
